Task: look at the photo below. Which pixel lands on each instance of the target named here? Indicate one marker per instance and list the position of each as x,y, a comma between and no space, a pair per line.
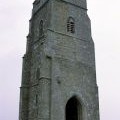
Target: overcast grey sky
105,20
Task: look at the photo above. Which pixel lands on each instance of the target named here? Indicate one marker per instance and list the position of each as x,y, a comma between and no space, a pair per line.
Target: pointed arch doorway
73,109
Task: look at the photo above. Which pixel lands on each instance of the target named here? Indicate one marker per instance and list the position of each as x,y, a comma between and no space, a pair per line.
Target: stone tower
59,76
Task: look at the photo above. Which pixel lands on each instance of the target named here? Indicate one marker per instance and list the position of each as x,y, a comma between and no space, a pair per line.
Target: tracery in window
70,25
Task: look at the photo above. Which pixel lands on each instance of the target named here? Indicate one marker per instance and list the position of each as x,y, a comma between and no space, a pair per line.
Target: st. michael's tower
59,76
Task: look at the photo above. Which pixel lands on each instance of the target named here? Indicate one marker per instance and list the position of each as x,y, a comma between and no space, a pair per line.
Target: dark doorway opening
73,110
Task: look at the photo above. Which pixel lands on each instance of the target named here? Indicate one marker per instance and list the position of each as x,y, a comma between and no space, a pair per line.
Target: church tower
59,76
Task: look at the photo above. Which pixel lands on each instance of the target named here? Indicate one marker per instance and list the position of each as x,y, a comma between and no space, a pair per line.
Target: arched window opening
73,110
41,28
70,25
